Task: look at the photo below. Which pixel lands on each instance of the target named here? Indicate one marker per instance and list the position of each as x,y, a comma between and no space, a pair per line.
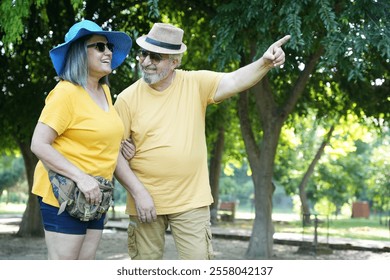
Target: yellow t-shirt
88,136
168,129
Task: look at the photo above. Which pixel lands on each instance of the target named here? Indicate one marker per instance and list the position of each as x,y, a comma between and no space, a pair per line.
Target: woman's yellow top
88,136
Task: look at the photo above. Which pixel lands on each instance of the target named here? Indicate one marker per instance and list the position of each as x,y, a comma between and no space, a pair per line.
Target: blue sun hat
121,41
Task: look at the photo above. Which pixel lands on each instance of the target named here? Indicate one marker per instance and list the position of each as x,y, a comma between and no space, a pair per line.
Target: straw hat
122,43
163,38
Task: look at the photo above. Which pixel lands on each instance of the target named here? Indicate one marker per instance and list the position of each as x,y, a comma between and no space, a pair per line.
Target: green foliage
325,207
16,197
24,81
290,16
327,15
354,36
11,22
378,174
11,171
153,10
354,166
120,194
237,187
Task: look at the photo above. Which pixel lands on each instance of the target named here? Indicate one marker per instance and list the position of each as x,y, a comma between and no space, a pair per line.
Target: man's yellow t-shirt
88,136
168,129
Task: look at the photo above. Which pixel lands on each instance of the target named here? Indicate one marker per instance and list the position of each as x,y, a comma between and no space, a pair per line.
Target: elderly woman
78,135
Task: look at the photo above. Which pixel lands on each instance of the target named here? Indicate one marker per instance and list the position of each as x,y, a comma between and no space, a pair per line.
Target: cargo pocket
210,251
131,242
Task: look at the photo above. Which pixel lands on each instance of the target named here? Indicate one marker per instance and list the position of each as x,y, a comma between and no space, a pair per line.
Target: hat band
162,44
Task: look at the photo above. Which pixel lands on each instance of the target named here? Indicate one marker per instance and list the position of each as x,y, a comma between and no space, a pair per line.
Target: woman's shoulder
67,86
64,89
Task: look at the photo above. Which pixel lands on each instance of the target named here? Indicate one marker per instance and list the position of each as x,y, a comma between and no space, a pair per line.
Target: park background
310,141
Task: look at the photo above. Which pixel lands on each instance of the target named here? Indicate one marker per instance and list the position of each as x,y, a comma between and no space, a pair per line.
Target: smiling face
99,60
155,67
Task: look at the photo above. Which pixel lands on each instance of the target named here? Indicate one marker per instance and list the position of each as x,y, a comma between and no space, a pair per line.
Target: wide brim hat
121,41
163,38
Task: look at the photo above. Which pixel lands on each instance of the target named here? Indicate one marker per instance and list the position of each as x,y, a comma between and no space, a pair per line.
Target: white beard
154,78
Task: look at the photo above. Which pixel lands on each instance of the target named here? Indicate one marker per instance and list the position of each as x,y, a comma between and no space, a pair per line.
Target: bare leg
90,244
63,246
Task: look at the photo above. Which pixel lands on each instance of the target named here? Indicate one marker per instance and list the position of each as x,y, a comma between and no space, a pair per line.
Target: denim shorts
64,223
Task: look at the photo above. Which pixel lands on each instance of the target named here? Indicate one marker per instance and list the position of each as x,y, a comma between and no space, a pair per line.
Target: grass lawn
361,228
357,228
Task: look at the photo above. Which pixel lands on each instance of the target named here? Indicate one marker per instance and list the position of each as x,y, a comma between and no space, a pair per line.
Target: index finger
282,41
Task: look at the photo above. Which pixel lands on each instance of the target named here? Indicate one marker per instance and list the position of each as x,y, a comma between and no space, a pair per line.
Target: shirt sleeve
58,110
208,84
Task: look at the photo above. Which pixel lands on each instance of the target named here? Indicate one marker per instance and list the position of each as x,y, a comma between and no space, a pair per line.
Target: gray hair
76,64
177,57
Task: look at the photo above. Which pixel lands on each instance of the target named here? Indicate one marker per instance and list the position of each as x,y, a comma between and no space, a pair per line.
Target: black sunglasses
101,47
155,58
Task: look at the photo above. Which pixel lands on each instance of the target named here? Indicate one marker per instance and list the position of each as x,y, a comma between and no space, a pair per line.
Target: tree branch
309,172
300,84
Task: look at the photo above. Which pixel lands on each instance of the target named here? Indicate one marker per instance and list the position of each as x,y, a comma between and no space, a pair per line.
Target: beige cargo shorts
190,230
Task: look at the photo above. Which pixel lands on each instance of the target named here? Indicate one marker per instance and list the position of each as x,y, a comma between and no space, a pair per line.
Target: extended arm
249,75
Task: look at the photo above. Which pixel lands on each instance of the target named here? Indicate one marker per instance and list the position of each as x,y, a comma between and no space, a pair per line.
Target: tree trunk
305,179
261,241
31,224
262,160
215,171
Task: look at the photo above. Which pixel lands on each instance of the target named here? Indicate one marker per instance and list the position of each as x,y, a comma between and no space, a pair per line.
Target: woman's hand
89,186
128,149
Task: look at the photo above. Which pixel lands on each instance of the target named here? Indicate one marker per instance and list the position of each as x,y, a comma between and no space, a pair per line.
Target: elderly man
164,116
